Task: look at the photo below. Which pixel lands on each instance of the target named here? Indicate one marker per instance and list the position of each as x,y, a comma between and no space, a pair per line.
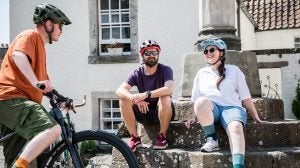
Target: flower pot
115,51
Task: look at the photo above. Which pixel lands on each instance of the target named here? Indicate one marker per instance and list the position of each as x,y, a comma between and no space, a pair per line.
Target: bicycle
85,148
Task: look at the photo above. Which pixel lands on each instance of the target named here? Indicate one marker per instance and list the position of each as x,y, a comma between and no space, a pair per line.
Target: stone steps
269,134
280,157
273,144
268,109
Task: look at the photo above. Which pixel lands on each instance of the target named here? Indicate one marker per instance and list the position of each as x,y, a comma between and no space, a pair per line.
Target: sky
4,17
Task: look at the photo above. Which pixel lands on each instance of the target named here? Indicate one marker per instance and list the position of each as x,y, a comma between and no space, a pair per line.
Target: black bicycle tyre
93,135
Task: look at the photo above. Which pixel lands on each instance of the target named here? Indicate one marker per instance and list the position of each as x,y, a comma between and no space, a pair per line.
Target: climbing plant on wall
296,102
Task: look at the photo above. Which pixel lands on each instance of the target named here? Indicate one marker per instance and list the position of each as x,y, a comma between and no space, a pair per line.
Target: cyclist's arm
123,91
166,90
23,64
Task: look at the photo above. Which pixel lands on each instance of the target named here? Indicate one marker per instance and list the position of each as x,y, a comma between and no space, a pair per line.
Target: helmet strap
49,32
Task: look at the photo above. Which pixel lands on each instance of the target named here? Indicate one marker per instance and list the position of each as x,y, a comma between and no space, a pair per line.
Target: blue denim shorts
226,114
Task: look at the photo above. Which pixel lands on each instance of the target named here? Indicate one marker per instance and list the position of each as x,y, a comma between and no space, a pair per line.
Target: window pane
297,40
124,4
116,124
107,125
116,33
106,113
116,115
105,33
125,17
115,103
125,33
114,4
127,47
106,104
104,18
104,4
115,18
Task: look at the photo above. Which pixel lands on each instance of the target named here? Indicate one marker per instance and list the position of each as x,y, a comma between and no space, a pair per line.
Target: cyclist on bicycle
23,66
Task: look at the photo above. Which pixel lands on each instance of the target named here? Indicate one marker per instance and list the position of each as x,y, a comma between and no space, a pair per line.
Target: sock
238,160
210,131
21,163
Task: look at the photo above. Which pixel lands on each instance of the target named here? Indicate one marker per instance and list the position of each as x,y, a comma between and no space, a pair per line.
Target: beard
150,63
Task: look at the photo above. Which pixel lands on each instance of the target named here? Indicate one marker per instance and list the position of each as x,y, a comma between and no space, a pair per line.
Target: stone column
218,19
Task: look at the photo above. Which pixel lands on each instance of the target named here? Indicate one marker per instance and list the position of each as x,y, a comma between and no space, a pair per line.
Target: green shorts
25,117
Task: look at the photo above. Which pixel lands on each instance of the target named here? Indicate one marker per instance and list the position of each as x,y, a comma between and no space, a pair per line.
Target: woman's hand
190,122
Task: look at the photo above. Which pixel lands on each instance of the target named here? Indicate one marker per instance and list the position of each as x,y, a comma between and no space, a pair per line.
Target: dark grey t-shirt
145,82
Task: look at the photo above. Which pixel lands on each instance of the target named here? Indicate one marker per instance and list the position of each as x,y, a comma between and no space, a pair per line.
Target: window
113,21
114,24
110,116
297,42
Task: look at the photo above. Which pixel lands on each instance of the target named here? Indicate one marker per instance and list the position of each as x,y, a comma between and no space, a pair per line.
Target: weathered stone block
255,158
269,134
268,109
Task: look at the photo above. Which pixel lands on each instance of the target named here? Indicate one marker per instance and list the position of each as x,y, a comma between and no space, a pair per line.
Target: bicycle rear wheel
97,149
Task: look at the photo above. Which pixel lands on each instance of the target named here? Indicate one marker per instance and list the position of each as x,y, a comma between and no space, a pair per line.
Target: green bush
296,102
88,147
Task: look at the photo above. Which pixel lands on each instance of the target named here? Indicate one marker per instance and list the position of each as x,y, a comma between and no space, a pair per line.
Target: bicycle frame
66,127
70,143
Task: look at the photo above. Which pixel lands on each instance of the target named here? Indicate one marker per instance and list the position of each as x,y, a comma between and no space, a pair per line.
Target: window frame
95,55
296,44
111,119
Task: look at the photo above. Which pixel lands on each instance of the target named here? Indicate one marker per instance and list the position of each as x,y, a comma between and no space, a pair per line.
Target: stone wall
283,68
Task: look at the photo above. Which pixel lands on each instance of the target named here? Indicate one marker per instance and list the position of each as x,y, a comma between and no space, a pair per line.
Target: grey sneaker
210,145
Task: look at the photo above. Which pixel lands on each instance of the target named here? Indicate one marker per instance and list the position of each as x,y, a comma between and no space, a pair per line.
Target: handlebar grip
41,86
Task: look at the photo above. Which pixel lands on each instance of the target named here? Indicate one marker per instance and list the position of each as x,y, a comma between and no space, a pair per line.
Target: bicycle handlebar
56,99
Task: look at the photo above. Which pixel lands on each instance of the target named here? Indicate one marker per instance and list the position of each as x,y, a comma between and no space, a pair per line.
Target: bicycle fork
67,136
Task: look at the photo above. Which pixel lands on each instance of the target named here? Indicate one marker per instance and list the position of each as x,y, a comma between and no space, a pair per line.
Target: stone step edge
178,157
180,136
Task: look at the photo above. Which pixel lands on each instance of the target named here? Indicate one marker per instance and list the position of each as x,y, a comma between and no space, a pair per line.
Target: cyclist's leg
40,142
165,113
128,116
29,120
12,146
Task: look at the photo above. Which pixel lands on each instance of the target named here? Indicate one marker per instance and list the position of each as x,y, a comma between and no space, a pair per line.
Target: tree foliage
296,102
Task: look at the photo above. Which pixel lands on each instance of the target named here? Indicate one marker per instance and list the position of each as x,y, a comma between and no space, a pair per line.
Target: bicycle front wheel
97,149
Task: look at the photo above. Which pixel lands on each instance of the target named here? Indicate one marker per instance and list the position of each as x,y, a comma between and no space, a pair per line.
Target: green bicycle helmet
46,11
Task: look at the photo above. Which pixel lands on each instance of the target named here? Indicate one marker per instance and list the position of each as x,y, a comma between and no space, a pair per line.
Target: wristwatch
148,93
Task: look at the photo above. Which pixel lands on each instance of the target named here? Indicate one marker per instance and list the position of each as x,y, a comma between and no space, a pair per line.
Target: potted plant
115,48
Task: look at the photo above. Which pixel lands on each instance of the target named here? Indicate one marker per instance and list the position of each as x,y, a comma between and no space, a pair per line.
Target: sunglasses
149,53
211,50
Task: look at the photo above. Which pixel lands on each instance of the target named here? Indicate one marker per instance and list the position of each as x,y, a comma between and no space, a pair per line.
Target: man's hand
135,98
143,106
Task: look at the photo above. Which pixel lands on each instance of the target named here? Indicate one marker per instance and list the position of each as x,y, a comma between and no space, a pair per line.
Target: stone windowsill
107,59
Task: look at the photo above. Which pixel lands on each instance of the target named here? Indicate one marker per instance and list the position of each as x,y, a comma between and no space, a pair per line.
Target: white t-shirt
232,90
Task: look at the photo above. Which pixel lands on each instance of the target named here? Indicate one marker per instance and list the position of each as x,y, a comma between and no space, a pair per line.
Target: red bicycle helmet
149,44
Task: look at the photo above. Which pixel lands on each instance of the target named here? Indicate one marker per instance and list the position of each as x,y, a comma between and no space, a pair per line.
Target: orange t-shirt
13,84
